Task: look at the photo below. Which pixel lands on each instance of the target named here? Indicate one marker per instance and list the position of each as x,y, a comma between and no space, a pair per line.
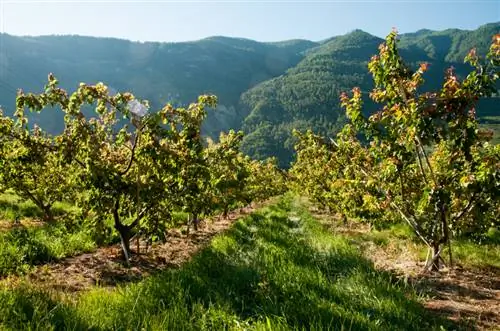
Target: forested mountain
307,95
265,88
158,72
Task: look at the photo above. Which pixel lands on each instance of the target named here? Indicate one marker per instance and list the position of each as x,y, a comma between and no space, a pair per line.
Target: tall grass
21,248
276,269
13,207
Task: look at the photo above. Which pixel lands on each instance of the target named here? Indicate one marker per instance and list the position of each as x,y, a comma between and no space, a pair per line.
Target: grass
401,239
35,243
492,123
472,255
12,207
21,248
277,269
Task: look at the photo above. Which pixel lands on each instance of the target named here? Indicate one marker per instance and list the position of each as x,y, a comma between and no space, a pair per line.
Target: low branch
413,224
419,142
467,209
438,257
139,217
80,162
35,199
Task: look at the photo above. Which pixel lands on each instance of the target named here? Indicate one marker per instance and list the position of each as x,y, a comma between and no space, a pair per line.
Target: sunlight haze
263,21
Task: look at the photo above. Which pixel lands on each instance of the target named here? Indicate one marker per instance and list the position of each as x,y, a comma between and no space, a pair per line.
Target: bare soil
105,267
468,296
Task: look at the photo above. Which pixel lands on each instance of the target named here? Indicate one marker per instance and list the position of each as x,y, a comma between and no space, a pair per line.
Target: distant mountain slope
159,72
307,95
450,45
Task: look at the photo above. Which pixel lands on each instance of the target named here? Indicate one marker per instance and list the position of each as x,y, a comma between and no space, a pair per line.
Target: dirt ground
6,225
105,266
465,295
468,296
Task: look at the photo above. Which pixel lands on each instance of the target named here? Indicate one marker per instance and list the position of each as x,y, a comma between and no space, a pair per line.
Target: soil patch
468,296
105,266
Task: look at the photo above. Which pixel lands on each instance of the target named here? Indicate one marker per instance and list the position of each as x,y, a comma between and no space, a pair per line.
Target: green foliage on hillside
306,96
452,45
158,72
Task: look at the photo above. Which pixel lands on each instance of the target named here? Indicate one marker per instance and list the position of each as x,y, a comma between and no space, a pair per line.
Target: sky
171,21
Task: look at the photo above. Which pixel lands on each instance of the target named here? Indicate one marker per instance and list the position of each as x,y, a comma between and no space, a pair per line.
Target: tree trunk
446,232
344,220
195,222
226,212
435,257
48,216
123,231
46,209
188,224
125,241
444,237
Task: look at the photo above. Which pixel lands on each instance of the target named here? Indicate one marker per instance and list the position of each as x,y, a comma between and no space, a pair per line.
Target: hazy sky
261,20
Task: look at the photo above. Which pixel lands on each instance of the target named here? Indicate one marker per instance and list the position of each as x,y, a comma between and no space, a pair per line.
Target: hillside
307,96
159,72
267,89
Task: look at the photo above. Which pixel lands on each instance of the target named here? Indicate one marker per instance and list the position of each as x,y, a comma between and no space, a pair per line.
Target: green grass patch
179,218
277,269
21,247
394,232
493,124
465,252
13,207
470,254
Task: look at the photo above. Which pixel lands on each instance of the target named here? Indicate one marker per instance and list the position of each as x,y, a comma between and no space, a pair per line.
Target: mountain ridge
307,95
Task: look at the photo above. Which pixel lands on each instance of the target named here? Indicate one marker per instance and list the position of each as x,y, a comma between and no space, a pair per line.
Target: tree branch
467,208
139,217
426,160
35,200
136,140
421,166
116,215
413,224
